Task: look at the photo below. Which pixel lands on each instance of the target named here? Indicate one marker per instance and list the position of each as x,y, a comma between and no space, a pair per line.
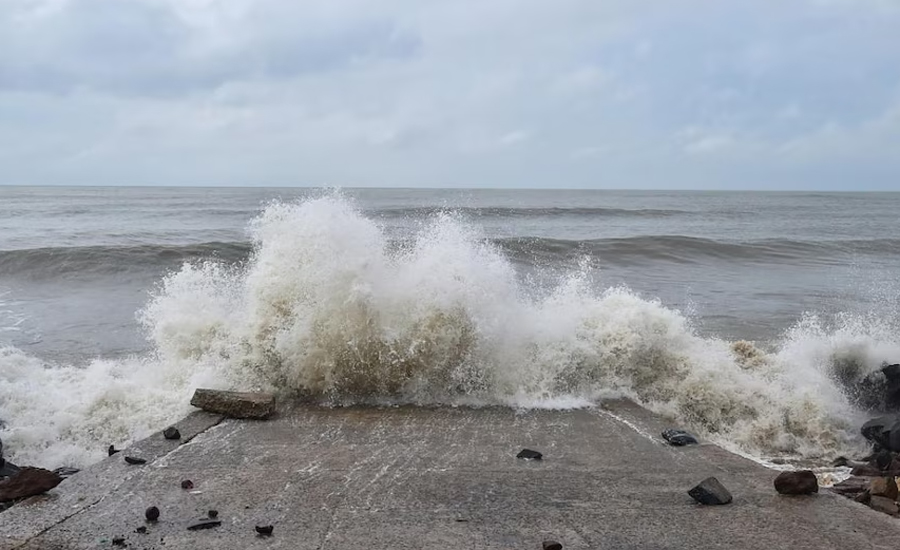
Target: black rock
204,524
803,482
528,454
141,530
710,492
112,450
883,432
883,459
187,484
118,541
8,469
134,460
265,530
840,462
679,438
171,433
66,472
152,513
878,390
551,545
213,514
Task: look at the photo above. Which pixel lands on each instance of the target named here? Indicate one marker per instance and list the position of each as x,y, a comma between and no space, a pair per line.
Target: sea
741,316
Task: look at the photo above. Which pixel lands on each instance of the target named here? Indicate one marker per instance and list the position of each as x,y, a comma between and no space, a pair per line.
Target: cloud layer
471,93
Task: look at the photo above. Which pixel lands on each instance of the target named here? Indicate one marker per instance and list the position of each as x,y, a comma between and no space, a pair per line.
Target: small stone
142,530
112,450
265,530
134,460
883,504
213,514
710,492
528,454
171,433
118,541
187,484
803,482
883,487
152,513
552,545
28,482
679,438
204,524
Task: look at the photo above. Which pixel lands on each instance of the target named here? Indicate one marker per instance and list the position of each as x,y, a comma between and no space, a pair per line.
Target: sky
610,94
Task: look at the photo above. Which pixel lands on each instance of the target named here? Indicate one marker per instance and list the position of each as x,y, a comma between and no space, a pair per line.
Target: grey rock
252,405
711,492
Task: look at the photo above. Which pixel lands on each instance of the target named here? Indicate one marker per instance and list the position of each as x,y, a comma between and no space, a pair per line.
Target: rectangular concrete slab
407,477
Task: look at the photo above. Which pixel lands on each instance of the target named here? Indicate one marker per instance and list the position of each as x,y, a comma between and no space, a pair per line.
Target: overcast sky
696,94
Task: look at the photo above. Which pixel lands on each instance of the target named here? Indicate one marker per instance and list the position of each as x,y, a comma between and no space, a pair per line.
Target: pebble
528,454
552,545
213,514
152,513
171,433
204,524
134,460
118,541
187,484
265,530
112,450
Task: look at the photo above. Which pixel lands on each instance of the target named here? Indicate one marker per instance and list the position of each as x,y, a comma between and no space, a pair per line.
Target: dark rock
112,450
134,460
142,530
863,498
883,460
679,438
213,514
265,530
255,405
850,486
528,454
710,492
803,482
187,484
152,513
883,504
878,390
204,524
8,469
28,482
840,462
866,471
552,545
883,487
171,433
66,472
118,541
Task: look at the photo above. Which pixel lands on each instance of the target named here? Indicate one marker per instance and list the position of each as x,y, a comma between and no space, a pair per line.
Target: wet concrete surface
417,478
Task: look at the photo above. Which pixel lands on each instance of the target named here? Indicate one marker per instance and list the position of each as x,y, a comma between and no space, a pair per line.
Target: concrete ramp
421,478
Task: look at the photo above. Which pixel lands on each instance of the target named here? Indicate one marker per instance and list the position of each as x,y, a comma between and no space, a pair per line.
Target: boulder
883,504
803,482
850,486
710,492
883,487
679,438
254,405
28,482
883,460
879,390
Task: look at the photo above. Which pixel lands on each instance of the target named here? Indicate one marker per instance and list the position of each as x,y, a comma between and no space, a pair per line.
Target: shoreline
409,477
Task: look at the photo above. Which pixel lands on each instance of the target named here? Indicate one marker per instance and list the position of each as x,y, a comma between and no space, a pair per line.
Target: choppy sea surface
734,313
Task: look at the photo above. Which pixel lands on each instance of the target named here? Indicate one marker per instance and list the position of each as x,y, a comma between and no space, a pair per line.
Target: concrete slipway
392,478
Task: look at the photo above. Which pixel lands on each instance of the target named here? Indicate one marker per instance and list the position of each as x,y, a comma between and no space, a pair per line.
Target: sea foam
325,308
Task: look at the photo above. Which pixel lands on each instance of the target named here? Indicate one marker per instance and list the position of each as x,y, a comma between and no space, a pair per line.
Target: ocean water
732,313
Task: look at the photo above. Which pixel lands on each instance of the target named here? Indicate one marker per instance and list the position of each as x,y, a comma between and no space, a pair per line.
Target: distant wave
44,263
506,212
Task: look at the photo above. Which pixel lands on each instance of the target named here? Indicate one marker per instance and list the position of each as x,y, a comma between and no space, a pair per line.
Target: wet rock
152,513
840,462
552,545
112,450
803,482
213,514
883,460
679,438
866,471
65,472
265,530
883,504
883,487
528,454
171,433
878,390
710,492
204,524
135,460
863,498
255,405
850,486
187,484
28,482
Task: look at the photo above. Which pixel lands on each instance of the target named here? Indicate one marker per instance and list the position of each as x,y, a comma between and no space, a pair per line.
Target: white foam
324,308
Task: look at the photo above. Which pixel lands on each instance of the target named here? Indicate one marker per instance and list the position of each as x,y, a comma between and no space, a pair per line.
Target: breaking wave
326,308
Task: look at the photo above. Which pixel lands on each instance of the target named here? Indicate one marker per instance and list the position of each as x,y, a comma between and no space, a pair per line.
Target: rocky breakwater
874,478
